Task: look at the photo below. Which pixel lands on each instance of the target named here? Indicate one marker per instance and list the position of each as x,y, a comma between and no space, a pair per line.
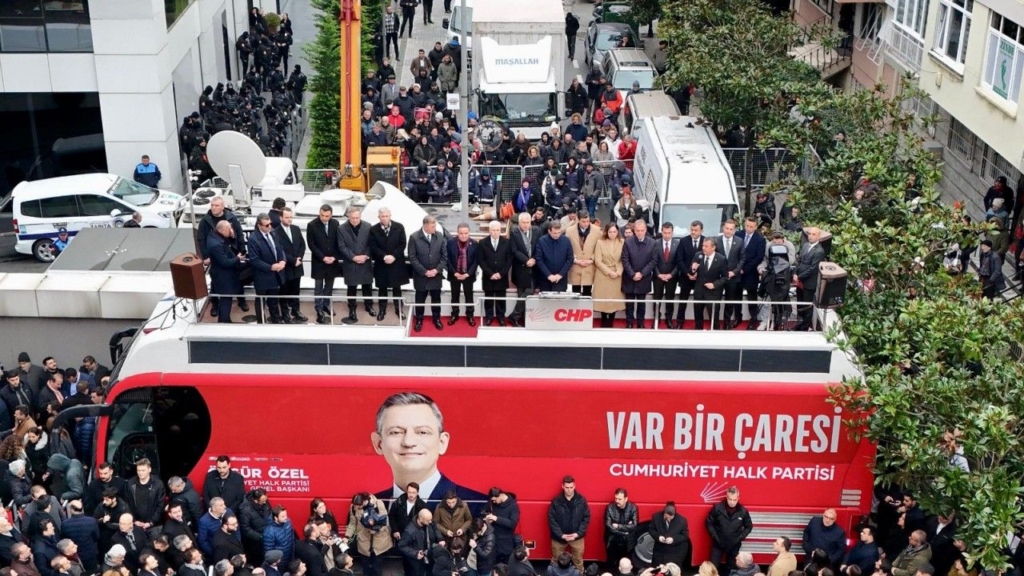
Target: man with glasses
266,256
823,532
915,557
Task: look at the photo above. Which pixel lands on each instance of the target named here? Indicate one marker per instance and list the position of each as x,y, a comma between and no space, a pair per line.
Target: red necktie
666,251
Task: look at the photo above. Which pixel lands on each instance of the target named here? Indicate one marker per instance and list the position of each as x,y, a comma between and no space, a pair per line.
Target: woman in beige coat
581,275
368,525
608,276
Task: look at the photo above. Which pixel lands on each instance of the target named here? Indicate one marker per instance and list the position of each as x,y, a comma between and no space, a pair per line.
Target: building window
825,5
961,141
45,26
1004,59
912,15
870,21
174,9
993,165
953,28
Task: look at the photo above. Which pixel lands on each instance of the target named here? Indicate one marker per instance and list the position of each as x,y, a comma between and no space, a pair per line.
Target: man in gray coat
639,258
354,247
428,254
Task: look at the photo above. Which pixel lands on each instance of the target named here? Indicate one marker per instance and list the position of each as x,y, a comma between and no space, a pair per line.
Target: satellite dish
490,134
228,147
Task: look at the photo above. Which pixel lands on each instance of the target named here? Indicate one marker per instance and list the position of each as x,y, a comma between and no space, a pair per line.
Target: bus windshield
519,108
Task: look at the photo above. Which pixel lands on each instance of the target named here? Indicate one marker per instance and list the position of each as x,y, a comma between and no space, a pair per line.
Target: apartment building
94,84
966,55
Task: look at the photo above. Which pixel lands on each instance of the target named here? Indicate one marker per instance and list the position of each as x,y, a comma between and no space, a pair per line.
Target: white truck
682,174
519,55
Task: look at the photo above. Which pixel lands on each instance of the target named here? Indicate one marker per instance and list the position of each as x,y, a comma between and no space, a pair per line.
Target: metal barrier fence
771,315
752,170
318,180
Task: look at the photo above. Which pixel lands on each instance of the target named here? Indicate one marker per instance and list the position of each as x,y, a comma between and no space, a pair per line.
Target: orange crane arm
351,137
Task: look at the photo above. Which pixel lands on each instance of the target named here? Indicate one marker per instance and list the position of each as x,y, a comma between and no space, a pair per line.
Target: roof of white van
98,183
522,11
652,103
694,157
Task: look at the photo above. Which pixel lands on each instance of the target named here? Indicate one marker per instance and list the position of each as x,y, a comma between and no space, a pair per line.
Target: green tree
324,108
941,366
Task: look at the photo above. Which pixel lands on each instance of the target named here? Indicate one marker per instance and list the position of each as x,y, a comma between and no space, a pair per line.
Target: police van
43,207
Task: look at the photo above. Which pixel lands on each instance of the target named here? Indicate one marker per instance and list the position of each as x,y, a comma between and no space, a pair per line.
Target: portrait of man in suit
411,437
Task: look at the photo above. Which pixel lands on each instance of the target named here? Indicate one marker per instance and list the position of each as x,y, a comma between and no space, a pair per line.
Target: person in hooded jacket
66,479
482,186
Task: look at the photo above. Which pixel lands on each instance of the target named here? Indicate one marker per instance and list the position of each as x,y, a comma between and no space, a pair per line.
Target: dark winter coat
231,489
568,516
395,274
728,530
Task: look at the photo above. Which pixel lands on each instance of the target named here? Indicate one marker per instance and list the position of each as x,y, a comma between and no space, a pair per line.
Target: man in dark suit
462,267
754,246
708,274
387,248
225,267
132,537
731,248
266,256
356,266
523,241
665,274
554,259
805,275
289,236
322,235
495,254
227,542
428,254
689,248
639,257
415,411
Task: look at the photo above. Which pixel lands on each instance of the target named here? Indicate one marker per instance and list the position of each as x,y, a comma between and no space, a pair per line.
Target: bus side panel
782,444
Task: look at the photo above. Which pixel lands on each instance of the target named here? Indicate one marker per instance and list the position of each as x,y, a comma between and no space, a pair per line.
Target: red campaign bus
668,415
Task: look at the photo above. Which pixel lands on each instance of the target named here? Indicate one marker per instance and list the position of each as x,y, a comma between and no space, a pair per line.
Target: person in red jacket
627,150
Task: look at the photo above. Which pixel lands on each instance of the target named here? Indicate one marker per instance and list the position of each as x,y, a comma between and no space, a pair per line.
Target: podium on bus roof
559,311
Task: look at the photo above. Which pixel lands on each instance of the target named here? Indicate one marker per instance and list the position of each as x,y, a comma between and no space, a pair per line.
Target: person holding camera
417,543
776,273
368,525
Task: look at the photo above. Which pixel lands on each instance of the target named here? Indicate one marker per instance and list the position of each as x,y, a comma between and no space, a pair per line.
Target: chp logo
561,315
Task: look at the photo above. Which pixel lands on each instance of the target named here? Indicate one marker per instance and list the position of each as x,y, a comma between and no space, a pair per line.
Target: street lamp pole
464,90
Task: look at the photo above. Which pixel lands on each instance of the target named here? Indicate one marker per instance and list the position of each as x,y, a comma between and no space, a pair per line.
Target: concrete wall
67,340
136,68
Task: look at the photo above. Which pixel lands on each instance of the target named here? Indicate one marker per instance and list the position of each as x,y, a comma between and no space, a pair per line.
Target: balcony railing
905,48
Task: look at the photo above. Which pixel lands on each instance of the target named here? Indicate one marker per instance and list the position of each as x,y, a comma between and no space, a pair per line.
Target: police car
43,207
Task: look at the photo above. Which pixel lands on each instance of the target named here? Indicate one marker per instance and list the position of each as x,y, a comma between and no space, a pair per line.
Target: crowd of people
261,105
63,523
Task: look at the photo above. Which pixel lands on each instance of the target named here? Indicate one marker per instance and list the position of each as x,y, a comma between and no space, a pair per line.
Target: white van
681,171
644,105
43,207
452,25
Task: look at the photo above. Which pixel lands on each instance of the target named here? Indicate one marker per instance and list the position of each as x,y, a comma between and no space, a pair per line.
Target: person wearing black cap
990,270
31,375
